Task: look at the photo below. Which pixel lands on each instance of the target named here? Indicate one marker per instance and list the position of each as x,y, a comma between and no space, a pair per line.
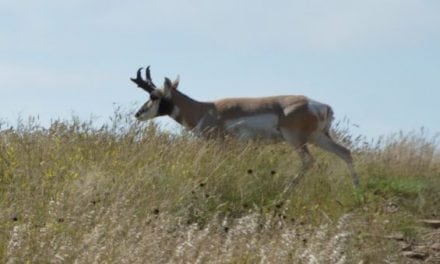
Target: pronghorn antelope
295,119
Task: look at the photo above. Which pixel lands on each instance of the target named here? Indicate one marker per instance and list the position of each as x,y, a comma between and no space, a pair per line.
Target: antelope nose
137,115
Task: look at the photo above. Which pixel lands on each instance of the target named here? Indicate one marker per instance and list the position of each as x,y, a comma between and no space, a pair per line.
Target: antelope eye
154,97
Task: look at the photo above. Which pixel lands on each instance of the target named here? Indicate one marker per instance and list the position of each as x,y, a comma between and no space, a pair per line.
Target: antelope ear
176,82
167,86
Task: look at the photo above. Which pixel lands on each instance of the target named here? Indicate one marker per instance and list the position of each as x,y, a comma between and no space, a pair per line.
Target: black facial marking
165,107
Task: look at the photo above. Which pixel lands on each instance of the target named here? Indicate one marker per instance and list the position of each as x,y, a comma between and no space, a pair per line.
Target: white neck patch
175,113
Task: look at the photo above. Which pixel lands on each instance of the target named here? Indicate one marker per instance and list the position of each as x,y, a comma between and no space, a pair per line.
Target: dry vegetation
129,193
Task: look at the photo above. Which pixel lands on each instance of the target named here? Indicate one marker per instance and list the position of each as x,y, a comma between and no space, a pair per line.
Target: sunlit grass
130,191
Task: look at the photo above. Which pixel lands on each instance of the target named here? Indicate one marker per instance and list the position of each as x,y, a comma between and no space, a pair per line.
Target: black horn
147,84
148,75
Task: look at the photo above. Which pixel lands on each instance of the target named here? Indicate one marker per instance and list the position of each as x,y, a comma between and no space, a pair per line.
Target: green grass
129,191
396,186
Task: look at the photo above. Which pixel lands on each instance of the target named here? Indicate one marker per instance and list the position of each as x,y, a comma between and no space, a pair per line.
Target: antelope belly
257,126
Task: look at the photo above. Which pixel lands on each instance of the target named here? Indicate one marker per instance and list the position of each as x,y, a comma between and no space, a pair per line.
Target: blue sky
376,62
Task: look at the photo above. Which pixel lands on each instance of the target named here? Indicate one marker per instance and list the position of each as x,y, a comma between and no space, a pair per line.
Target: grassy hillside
129,193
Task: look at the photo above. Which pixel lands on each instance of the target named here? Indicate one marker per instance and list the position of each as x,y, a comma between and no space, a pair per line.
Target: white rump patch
317,108
322,112
257,126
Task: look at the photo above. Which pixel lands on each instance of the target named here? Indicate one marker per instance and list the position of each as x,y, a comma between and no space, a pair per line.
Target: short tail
328,121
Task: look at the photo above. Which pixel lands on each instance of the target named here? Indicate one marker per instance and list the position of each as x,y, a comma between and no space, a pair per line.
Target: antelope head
160,102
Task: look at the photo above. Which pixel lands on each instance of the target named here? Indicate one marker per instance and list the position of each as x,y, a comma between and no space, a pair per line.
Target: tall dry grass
127,192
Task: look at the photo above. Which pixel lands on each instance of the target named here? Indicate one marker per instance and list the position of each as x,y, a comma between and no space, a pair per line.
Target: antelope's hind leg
324,141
